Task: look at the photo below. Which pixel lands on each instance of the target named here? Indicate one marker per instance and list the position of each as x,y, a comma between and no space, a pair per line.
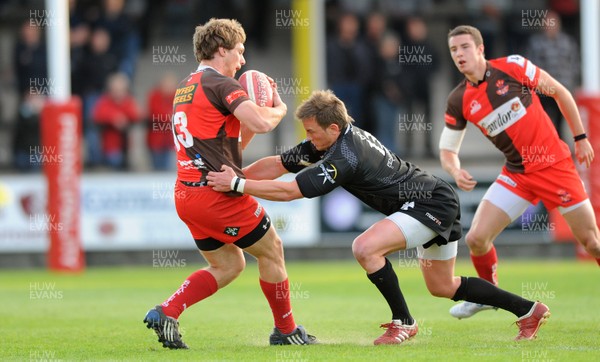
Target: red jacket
115,118
160,111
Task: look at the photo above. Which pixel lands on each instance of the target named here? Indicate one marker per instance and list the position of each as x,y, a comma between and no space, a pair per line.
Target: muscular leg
582,222
274,283
224,265
441,282
370,249
488,223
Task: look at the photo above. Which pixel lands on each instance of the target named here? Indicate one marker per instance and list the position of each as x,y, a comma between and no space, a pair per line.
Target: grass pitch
98,316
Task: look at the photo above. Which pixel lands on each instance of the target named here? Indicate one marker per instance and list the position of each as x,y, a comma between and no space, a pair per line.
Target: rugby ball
257,85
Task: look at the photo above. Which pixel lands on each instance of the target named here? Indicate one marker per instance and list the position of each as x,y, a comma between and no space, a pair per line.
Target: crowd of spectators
380,60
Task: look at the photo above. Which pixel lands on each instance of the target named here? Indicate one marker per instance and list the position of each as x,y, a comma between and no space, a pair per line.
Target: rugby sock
387,282
598,261
486,265
477,290
278,296
200,285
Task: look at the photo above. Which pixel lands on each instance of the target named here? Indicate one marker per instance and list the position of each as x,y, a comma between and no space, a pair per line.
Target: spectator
160,134
420,69
115,111
557,53
27,133
125,40
348,67
30,59
92,74
390,97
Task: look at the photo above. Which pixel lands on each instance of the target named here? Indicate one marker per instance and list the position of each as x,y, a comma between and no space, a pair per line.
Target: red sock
201,284
278,295
486,265
598,261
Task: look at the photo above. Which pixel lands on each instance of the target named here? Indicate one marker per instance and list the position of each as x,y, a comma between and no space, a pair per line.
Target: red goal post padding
61,157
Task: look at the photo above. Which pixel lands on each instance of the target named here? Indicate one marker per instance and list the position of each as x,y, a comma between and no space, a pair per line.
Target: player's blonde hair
467,29
326,108
217,33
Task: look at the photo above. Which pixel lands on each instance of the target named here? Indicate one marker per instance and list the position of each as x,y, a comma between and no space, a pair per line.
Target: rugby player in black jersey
336,153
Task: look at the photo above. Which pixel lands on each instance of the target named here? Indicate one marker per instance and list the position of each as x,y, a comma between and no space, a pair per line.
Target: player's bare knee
440,291
592,245
476,241
360,249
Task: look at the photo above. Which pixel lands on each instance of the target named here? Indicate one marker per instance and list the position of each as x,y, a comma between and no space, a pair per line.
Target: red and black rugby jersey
206,133
505,107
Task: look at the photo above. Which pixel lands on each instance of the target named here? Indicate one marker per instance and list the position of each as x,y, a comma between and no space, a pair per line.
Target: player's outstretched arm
267,168
568,107
261,119
226,180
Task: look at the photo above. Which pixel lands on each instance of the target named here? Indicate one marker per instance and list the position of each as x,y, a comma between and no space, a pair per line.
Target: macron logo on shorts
507,180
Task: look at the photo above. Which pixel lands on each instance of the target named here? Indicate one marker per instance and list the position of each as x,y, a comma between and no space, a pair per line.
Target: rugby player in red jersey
499,97
213,120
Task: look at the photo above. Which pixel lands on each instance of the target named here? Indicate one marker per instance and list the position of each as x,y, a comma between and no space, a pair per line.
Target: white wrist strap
237,184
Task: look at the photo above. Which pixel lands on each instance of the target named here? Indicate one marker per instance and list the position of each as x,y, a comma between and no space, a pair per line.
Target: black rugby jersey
359,163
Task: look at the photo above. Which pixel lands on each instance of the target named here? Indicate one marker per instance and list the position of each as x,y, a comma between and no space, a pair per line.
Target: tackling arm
265,189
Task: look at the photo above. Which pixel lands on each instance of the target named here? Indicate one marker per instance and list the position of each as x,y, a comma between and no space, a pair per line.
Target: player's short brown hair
467,29
326,108
217,33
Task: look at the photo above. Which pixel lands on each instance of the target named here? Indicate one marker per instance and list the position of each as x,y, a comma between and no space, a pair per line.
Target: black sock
481,291
387,282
